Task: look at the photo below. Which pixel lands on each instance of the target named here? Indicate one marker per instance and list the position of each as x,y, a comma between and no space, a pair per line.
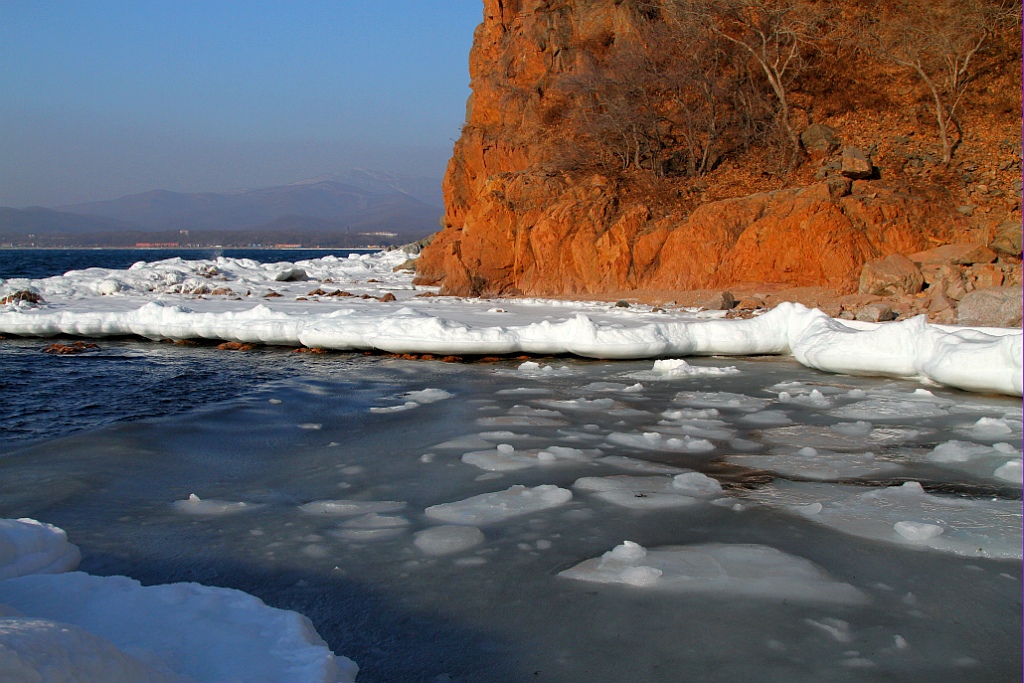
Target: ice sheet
905,515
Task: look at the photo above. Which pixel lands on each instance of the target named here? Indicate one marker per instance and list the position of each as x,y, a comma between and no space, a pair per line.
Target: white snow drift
57,624
173,299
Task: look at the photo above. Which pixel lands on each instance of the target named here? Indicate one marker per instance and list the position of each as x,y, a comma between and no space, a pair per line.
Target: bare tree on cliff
775,34
939,42
615,110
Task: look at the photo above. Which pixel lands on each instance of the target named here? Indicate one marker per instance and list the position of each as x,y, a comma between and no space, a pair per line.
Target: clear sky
102,98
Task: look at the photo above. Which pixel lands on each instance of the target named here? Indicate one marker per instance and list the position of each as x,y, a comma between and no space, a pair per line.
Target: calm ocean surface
40,263
46,396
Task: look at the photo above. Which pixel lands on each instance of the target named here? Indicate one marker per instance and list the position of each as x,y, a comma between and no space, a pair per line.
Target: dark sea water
40,263
43,396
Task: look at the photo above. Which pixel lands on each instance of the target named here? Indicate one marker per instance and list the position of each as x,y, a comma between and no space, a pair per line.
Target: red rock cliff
517,223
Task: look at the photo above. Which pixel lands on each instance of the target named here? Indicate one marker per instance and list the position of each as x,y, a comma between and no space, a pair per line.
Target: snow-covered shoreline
57,621
176,299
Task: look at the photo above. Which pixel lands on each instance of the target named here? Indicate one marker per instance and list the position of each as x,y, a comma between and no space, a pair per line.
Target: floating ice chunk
426,395
650,492
735,570
707,429
973,528
489,508
351,508
858,428
520,421
31,547
194,505
505,458
815,399
767,418
414,399
990,428
653,441
639,466
721,399
371,527
616,387
448,539
837,629
402,407
978,459
960,451
691,414
817,436
812,463
208,634
893,407
917,532
603,405
1011,471
696,484
527,391
677,367
311,426
46,650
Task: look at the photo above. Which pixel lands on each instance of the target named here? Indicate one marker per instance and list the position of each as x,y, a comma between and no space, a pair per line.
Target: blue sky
102,98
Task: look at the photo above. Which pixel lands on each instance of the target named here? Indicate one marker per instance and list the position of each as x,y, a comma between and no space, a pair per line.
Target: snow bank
31,547
737,570
149,300
209,634
73,626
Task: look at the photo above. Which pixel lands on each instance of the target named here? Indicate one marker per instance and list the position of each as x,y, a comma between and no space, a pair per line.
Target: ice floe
505,458
194,505
174,299
491,508
732,570
962,526
810,463
447,539
651,492
351,508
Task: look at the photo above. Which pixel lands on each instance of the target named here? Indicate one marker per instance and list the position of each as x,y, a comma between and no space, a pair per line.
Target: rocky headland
654,151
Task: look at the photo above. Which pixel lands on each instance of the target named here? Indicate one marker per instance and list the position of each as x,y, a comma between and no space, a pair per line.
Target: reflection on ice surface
437,543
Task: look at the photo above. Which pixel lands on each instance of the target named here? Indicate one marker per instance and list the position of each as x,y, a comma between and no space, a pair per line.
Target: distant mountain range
350,208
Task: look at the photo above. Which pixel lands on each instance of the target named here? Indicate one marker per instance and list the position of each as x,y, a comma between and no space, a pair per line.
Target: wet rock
876,313
388,297
991,307
70,349
235,346
892,276
22,295
621,303
856,164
